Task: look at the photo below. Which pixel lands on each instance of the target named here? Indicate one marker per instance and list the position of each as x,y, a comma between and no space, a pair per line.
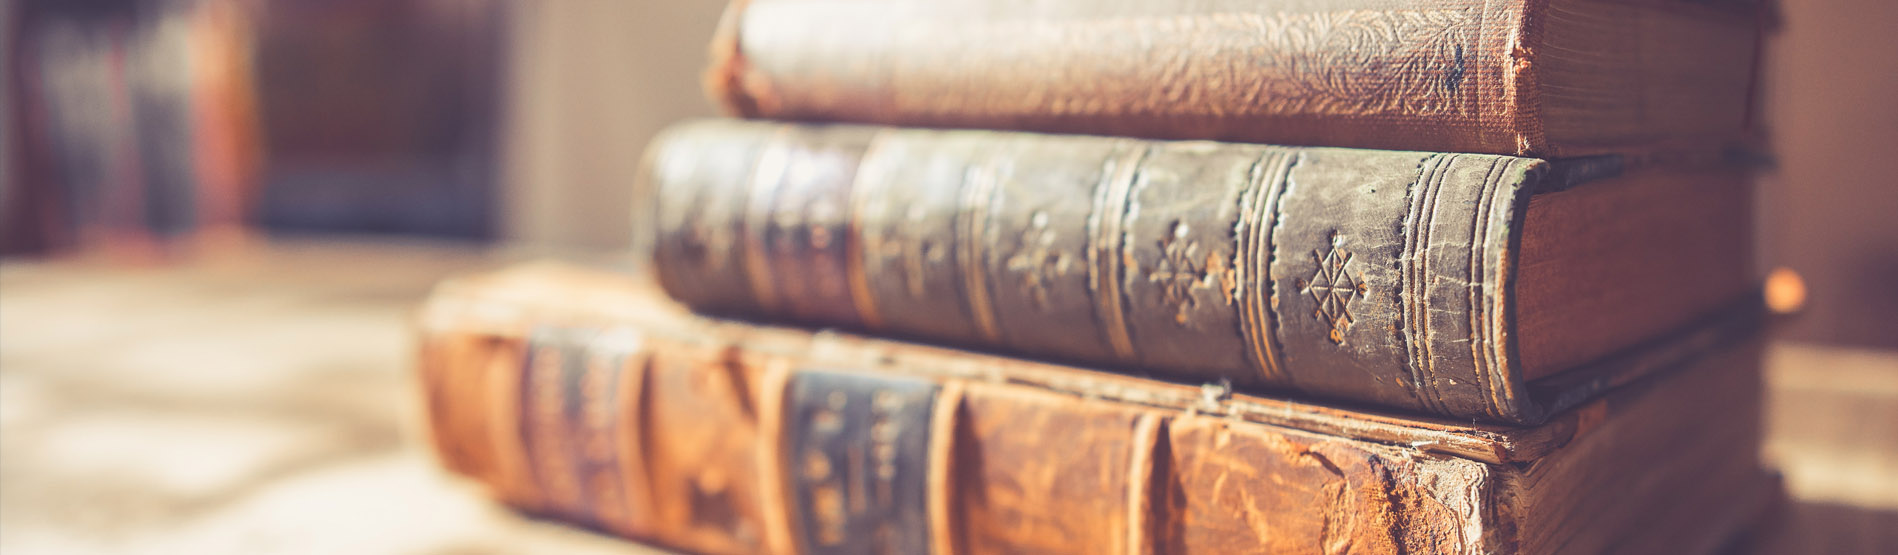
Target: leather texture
1449,75
1375,276
574,428
856,458
770,440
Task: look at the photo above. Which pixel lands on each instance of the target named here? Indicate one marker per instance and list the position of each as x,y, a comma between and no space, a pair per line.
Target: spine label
856,458
572,397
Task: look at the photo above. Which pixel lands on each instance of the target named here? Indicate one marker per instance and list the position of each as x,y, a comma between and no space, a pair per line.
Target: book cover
575,395
1439,282
1549,78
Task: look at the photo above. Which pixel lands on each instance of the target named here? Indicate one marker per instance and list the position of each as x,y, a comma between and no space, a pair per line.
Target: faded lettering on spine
856,457
576,384
875,461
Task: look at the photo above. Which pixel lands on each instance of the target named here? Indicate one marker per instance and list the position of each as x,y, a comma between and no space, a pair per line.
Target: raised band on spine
1258,216
1484,339
862,189
1106,245
1415,289
1148,432
972,222
766,179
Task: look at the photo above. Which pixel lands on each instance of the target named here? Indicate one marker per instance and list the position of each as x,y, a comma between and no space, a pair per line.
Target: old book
1474,286
1528,77
576,395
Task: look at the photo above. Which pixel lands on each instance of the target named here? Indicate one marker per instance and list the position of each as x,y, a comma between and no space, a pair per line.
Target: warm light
1785,291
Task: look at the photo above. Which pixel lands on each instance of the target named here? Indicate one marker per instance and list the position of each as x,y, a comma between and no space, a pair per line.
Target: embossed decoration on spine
1184,294
1369,73
1377,276
1181,272
1035,261
907,211
808,228
857,458
911,260
1371,62
1341,201
1334,288
1042,276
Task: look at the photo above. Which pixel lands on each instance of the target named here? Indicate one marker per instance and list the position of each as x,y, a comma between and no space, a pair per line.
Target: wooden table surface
262,402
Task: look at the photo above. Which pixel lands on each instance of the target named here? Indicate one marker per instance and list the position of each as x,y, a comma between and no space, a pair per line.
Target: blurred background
167,126
348,153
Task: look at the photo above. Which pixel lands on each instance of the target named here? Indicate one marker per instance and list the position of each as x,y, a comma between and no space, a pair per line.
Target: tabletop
261,400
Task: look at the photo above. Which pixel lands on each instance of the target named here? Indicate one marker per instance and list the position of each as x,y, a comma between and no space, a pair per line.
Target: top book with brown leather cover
1544,78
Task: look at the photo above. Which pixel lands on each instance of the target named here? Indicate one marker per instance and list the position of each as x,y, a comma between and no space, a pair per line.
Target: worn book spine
1375,276
724,451
1447,75
572,396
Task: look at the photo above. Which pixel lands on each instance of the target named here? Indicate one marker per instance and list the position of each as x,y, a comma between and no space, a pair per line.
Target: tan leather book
575,394
1545,78
1465,285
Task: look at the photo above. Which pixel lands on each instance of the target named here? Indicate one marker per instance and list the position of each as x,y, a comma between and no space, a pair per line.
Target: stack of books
994,276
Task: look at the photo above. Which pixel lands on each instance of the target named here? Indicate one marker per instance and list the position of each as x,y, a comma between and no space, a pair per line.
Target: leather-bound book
1548,78
1465,285
576,395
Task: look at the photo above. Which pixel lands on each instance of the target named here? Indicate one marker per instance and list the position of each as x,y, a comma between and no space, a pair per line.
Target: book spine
1374,276
723,450
1452,75
582,450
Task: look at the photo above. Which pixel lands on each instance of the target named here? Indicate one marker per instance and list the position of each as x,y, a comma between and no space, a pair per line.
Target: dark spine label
856,456
571,404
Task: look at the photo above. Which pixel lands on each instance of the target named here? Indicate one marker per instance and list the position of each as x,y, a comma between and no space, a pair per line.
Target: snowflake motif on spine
1180,273
1333,287
914,259
1036,261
